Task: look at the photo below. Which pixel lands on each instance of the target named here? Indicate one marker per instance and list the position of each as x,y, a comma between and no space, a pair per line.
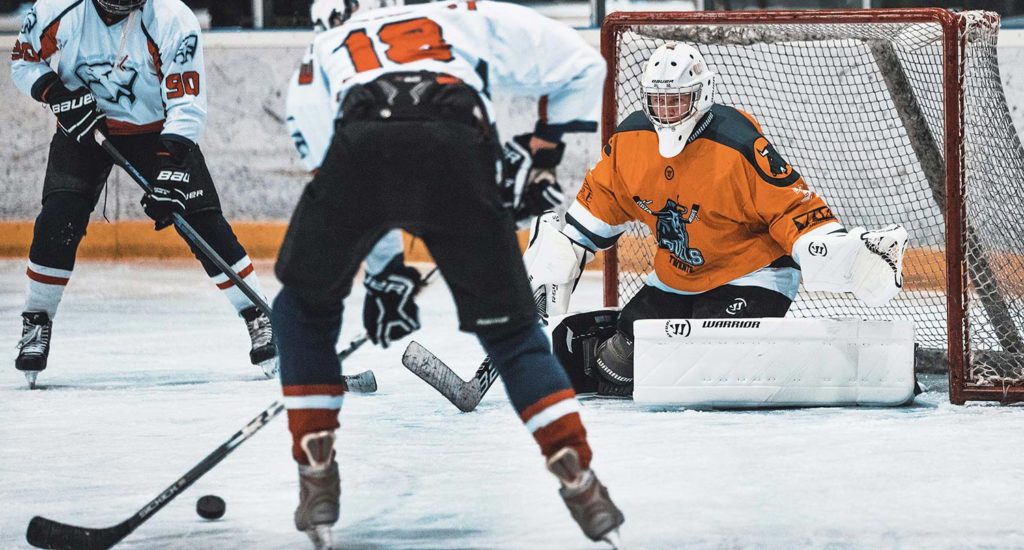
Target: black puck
210,507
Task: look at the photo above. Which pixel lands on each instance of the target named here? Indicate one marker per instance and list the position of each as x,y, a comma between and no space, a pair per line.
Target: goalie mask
678,90
120,7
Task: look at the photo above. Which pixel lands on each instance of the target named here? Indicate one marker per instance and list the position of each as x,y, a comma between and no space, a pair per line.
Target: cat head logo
769,160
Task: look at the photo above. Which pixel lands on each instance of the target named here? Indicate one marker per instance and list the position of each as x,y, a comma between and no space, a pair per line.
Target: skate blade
270,367
614,539
30,376
321,537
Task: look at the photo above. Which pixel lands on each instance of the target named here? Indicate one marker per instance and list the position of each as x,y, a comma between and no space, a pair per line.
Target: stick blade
46,533
364,382
464,395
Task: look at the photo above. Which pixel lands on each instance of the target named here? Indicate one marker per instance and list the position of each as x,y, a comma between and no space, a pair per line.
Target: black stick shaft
185,228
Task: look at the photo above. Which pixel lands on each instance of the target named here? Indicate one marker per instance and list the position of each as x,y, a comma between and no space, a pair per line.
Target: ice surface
149,373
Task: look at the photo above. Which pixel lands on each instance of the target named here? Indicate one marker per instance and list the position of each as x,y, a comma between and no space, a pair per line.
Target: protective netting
858,109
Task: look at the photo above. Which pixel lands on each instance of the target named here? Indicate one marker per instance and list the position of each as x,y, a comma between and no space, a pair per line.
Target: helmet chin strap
672,138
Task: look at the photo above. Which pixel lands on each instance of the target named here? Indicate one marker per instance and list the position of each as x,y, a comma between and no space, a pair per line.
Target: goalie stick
465,395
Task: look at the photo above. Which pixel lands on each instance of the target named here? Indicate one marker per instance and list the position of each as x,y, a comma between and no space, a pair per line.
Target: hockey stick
184,227
47,533
464,395
359,383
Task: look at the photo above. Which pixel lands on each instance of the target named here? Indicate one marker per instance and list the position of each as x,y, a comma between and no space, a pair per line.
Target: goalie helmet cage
893,116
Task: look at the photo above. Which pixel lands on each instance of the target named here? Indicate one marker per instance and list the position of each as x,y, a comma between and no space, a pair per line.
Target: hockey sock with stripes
310,371
540,391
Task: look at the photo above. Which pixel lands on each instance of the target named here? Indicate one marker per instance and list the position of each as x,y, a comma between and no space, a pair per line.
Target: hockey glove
173,180
77,113
390,312
529,184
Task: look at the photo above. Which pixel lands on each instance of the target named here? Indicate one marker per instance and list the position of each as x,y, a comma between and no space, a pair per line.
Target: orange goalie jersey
727,209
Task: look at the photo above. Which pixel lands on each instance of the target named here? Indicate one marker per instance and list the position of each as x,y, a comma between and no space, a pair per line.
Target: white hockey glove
554,264
529,185
390,311
867,263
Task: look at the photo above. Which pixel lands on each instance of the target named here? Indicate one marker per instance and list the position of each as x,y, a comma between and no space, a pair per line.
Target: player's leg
613,361
600,357
74,175
481,262
205,216
326,241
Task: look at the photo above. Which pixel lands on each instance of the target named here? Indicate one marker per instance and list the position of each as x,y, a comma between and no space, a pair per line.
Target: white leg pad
744,363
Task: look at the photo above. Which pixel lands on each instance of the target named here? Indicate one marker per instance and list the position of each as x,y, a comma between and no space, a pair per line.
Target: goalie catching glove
867,263
554,263
390,312
529,184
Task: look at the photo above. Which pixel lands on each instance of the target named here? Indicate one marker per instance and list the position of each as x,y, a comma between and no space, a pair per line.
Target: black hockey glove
172,183
77,113
390,312
529,184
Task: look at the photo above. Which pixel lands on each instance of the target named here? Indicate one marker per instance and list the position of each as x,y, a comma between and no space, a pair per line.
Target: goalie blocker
743,363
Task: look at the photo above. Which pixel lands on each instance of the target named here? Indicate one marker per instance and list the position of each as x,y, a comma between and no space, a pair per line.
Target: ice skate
263,353
586,497
319,490
34,345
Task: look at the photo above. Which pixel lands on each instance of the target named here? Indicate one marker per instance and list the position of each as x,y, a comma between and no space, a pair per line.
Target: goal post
893,116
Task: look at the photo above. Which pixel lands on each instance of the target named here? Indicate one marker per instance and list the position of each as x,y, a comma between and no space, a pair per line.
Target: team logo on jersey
187,49
670,225
769,160
30,22
109,83
669,173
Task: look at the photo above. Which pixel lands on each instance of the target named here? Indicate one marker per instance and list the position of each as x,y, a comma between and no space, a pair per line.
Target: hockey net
893,116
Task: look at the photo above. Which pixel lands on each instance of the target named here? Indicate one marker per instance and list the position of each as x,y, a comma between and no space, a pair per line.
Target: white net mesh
858,110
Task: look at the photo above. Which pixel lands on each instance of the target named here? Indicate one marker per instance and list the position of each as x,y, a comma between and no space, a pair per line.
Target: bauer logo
814,217
677,328
730,324
817,249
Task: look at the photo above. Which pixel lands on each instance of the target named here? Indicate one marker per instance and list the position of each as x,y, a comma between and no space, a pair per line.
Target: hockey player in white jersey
414,146
132,69
389,310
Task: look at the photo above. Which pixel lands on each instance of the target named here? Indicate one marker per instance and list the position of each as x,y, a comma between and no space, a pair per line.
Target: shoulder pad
733,129
637,120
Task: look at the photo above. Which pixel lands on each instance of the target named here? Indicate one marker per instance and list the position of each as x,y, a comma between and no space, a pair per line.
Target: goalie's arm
867,264
560,248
